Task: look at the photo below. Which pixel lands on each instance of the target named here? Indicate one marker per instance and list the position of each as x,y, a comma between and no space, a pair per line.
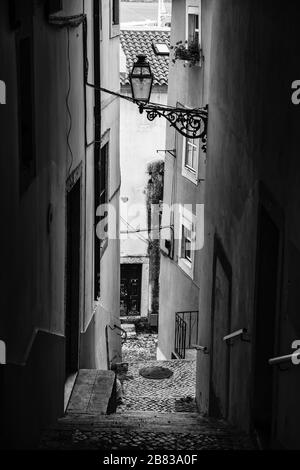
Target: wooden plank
92,392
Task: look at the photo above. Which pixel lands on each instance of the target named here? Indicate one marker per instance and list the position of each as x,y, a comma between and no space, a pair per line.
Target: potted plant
187,51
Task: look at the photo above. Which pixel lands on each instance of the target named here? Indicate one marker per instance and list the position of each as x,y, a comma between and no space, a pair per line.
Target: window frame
186,221
189,172
114,27
193,7
104,192
99,192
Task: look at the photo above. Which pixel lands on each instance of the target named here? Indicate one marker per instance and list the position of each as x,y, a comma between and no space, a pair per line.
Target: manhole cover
156,373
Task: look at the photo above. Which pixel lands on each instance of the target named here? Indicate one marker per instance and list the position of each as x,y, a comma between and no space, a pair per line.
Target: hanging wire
68,22
68,104
143,239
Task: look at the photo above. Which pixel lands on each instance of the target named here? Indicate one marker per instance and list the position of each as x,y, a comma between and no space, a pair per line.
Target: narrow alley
150,236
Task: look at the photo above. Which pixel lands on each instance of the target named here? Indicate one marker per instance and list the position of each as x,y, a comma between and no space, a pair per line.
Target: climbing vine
154,195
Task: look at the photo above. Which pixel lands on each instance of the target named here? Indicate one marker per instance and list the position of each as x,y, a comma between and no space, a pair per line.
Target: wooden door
72,324
131,277
267,273
220,352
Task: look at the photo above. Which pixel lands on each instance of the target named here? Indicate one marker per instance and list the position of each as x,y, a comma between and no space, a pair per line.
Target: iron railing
186,331
180,336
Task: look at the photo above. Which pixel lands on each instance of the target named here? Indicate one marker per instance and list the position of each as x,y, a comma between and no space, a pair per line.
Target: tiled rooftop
134,42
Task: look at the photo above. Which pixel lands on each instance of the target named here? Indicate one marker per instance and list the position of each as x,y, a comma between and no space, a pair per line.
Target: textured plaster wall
178,292
139,141
252,137
33,259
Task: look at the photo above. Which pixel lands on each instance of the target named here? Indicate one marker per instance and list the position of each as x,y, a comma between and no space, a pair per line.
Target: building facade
250,271
184,189
140,141
246,276
60,149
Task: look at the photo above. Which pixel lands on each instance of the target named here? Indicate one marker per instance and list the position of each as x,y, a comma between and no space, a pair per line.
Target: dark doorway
265,330
131,284
221,313
72,279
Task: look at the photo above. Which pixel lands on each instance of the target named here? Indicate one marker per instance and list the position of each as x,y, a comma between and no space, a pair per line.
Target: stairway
143,431
91,424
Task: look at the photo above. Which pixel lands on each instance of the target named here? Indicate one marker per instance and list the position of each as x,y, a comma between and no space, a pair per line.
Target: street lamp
191,123
141,80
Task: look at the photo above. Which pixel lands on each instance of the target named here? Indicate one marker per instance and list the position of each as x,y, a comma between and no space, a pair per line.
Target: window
190,159
187,239
101,198
193,28
27,162
161,48
114,18
115,12
193,22
191,155
103,190
186,244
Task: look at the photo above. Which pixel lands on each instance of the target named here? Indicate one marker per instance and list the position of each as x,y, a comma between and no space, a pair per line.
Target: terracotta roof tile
134,42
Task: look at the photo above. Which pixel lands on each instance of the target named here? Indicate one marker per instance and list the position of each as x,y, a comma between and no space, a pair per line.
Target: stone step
130,329
94,393
145,422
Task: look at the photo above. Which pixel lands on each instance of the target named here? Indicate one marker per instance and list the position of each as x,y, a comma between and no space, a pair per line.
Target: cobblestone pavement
141,348
150,432
176,394
157,415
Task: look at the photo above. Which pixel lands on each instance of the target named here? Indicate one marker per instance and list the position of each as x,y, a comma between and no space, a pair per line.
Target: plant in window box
187,51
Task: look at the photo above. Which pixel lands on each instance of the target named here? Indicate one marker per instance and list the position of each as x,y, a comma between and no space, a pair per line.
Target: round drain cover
156,373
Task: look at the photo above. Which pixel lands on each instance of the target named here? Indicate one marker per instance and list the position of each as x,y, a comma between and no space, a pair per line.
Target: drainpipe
97,95
97,78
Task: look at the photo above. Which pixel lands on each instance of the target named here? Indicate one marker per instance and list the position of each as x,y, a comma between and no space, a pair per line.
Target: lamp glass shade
141,80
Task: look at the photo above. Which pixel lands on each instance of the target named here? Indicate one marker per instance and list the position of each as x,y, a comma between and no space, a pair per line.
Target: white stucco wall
140,139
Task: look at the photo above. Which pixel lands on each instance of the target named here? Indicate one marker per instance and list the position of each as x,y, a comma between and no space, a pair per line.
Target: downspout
97,94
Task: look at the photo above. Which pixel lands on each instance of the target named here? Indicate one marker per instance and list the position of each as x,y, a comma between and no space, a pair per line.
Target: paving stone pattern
142,347
176,394
157,415
145,431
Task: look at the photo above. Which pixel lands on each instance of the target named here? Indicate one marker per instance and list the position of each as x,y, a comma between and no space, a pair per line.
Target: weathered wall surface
186,86
135,155
252,138
33,250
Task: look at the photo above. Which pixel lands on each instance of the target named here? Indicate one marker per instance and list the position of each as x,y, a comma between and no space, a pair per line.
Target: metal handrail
191,318
180,336
116,327
242,333
203,349
36,331
282,359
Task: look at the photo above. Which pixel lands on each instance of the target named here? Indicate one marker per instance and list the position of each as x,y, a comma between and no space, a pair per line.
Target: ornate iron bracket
191,123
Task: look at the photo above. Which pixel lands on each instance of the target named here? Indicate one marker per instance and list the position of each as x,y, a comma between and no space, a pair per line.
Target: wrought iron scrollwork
191,123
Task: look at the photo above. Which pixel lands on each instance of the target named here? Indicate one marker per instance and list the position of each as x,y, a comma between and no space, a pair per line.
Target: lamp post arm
191,123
